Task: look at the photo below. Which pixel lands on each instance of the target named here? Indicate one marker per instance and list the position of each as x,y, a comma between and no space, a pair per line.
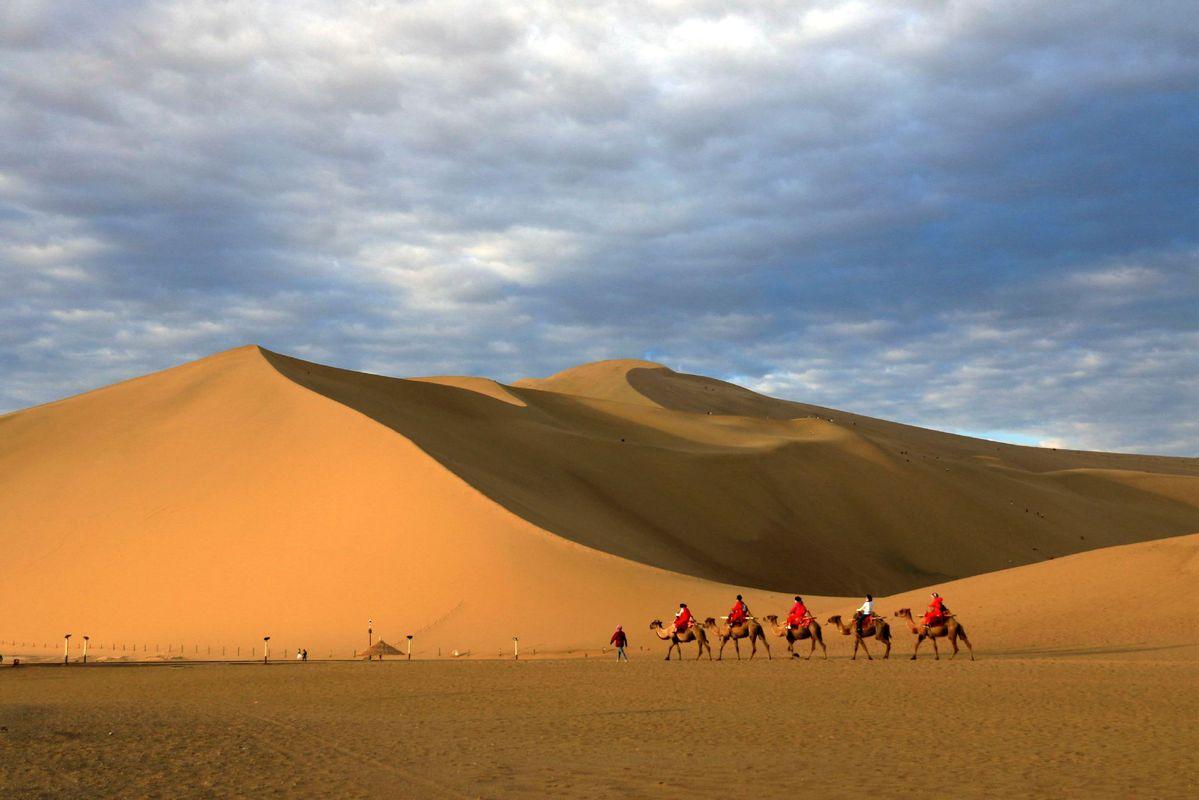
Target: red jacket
619,639
738,612
683,619
797,613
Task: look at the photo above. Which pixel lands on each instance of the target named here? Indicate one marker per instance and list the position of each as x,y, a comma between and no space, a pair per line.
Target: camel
951,629
751,629
693,634
793,635
877,628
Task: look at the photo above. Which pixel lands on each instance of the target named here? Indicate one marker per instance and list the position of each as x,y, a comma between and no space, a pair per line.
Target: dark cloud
969,216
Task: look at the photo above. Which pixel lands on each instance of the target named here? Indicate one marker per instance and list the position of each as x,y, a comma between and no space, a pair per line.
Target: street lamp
266,649
66,649
86,638
410,647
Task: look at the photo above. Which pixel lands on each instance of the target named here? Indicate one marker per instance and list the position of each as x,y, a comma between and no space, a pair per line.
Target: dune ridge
251,493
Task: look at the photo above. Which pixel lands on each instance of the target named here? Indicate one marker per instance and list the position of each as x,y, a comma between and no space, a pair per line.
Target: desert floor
1101,725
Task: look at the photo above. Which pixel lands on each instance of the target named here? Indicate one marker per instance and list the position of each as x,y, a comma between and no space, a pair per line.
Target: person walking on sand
621,640
304,655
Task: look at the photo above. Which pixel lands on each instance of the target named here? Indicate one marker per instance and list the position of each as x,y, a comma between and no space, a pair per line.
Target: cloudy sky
975,216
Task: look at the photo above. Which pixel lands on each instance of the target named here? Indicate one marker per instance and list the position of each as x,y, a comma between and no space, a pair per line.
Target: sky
972,216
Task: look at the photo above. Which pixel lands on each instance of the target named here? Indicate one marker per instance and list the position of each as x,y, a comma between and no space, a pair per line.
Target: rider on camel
799,615
682,618
937,612
739,612
865,614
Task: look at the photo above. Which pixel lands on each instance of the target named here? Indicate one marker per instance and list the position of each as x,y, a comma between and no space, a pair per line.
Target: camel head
903,612
835,619
655,624
773,619
710,622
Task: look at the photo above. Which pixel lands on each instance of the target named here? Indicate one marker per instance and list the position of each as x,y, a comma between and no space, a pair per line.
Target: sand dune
250,493
706,478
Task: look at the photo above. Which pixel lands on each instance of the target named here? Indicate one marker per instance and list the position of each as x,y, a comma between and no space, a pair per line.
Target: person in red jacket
798,616
739,612
682,619
937,613
621,641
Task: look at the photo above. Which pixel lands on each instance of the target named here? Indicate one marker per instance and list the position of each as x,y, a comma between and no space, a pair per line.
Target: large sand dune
251,493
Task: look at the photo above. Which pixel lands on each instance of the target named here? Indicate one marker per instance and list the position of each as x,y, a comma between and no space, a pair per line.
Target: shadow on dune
713,480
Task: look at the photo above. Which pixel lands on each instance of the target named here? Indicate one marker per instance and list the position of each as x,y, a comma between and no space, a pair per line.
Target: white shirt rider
867,609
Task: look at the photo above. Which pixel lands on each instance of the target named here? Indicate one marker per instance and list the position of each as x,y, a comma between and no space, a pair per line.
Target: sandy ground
1090,727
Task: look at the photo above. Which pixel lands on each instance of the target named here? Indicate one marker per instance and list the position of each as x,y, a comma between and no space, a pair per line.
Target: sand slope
249,493
702,477
1115,601
218,502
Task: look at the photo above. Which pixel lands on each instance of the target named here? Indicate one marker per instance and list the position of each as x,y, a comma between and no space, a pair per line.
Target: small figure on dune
621,640
865,614
682,618
936,612
304,655
739,612
800,625
683,630
738,625
938,623
299,655
797,616
865,624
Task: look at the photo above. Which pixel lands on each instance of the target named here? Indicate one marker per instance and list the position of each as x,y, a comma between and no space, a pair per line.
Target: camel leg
737,647
720,652
887,642
916,651
865,649
936,652
968,645
766,644
953,640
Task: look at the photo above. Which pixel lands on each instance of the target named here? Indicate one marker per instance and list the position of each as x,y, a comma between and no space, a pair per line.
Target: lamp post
266,649
516,647
86,639
410,647
370,639
66,649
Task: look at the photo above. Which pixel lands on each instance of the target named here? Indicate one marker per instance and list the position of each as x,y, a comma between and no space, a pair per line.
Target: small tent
380,649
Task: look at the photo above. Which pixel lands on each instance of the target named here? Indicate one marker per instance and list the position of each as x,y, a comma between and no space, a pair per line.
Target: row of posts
266,646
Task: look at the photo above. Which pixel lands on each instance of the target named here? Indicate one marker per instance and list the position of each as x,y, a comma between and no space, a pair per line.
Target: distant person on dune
739,612
682,618
864,613
798,615
621,641
937,613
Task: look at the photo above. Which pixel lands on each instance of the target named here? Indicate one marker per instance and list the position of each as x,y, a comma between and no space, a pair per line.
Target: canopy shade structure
380,649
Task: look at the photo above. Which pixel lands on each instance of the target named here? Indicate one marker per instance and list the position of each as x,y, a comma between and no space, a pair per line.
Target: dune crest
251,493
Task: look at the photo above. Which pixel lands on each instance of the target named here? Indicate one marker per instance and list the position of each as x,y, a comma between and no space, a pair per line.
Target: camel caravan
801,624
